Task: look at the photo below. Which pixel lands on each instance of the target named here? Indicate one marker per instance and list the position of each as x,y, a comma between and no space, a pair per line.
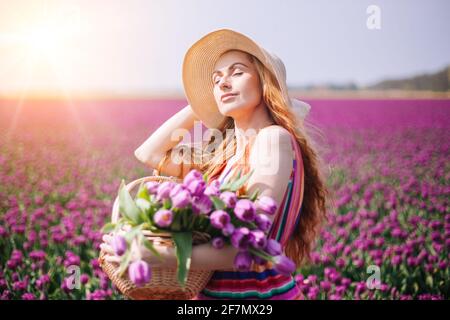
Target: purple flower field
61,164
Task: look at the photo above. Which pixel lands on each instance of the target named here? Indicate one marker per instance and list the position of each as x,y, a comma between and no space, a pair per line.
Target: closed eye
237,73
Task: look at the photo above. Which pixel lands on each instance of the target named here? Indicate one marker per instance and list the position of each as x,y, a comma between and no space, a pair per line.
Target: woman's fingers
107,248
112,259
107,238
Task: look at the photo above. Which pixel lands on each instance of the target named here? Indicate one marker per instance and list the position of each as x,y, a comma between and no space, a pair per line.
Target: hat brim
198,66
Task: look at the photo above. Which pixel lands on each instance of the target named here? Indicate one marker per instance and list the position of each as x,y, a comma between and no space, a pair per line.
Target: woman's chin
231,110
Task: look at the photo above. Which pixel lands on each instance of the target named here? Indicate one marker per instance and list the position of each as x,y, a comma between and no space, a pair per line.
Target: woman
234,85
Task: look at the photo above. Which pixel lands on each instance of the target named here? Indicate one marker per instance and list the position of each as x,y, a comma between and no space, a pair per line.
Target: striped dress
262,281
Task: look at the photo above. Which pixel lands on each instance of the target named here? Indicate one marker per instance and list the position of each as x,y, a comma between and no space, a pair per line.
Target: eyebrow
229,68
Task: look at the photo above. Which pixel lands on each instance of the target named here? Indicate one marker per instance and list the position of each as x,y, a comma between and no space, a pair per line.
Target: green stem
261,254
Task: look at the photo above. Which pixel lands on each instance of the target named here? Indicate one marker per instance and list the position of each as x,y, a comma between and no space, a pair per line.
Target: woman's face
242,80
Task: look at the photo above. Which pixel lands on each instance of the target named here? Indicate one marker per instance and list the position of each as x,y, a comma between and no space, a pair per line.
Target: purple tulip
245,210
284,265
196,187
263,222
346,282
325,285
260,240
181,199
218,242
164,189
243,261
242,238
42,281
267,205
273,247
201,204
139,272
152,187
228,230
442,265
28,296
37,255
3,232
358,262
163,218
219,219
84,278
313,293
191,176
119,245
213,189
340,262
176,189
229,198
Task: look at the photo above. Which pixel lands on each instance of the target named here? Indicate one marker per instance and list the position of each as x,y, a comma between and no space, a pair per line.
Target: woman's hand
162,140
167,257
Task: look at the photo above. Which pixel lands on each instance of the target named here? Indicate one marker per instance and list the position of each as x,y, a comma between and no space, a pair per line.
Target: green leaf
107,228
144,207
167,203
429,281
254,195
124,263
143,192
261,254
127,205
245,178
176,222
143,204
149,245
183,249
192,219
154,229
239,174
205,176
240,181
120,223
218,203
135,231
225,186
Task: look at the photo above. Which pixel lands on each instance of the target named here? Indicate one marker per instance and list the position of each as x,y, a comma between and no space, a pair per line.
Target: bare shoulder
272,147
271,159
274,134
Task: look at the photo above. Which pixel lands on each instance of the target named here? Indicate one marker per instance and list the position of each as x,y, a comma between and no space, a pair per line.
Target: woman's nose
224,83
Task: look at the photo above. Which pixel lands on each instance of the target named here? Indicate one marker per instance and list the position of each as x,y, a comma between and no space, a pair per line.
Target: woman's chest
230,169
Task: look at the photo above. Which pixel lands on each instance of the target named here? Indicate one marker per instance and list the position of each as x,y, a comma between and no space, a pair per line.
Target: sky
137,47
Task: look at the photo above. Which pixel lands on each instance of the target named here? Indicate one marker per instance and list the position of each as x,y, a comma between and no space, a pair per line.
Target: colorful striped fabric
263,282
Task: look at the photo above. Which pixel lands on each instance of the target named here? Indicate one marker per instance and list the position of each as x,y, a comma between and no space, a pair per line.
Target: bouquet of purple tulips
196,205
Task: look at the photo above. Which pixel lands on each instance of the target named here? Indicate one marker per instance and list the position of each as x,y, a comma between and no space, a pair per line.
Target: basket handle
133,184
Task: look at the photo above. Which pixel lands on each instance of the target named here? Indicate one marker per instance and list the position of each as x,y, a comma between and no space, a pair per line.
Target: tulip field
62,161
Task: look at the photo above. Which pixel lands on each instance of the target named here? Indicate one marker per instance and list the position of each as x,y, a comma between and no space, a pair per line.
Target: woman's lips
229,97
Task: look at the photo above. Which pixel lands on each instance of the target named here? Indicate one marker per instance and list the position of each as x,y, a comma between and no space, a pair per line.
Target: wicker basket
163,284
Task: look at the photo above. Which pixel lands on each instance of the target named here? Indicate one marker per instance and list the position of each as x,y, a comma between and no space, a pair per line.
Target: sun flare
44,37
44,40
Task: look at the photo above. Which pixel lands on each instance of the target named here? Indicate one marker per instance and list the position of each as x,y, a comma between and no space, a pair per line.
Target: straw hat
198,66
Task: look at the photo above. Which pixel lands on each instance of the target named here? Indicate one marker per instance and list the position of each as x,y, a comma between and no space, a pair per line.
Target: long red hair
316,193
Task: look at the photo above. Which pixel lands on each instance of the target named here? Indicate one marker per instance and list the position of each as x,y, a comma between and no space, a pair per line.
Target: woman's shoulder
274,134
271,159
272,145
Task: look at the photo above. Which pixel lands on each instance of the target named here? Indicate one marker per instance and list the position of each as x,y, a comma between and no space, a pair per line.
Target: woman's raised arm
154,149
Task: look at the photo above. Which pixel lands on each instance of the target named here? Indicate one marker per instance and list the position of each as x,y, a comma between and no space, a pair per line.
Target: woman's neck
248,125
